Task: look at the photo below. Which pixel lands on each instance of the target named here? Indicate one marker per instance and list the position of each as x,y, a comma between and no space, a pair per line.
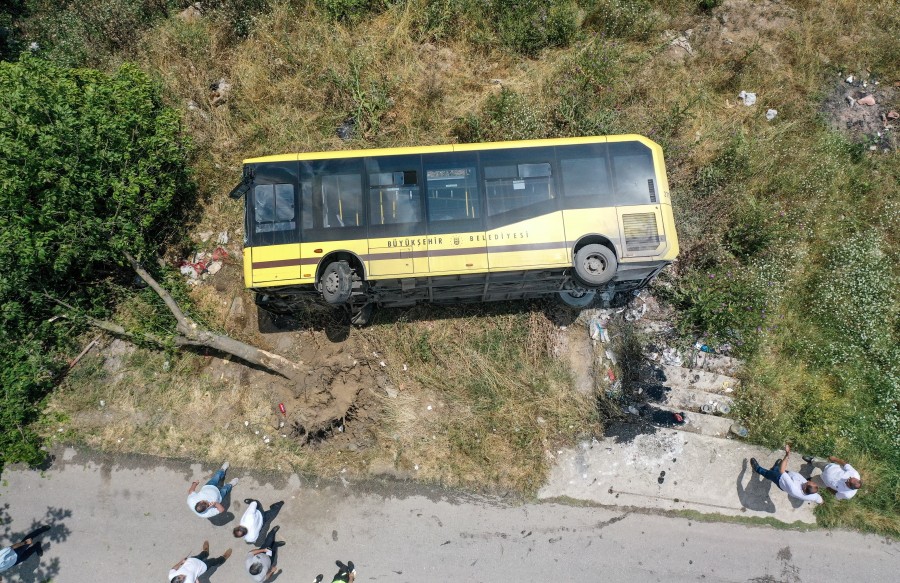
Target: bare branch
185,325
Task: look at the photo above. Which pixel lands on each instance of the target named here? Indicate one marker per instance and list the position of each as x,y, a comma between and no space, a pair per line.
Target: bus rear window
635,179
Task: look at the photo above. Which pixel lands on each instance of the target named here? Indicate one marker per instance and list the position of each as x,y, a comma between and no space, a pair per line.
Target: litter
610,374
678,418
671,357
222,239
748,98
849,79
636,313
771,113
597,329
611,356
739,430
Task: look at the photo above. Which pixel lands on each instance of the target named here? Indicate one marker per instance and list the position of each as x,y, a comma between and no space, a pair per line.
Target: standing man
207,501
793,483
253,520
261,562
840,477
188,569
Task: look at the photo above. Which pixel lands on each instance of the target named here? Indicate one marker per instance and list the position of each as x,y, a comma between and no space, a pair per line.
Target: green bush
529,26
90,165
350,10
632,19
506,115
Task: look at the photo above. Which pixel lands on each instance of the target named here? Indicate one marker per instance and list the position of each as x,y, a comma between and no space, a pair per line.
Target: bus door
334,214
398,244
524,222
273,223
455,209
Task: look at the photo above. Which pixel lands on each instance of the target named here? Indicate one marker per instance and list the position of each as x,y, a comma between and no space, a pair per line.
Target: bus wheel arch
336,274
595,261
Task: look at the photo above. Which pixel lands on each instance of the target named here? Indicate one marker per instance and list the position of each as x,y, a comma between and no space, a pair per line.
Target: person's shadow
755,495
223,518
50,528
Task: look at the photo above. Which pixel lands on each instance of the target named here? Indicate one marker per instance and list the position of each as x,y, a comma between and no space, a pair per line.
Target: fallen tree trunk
189,333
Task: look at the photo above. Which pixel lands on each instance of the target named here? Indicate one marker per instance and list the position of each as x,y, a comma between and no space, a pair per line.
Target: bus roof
451,148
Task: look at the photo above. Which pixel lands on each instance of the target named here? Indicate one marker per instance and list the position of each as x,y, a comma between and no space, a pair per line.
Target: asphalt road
125,519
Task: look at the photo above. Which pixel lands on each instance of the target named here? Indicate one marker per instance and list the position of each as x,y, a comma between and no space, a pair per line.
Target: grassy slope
789,233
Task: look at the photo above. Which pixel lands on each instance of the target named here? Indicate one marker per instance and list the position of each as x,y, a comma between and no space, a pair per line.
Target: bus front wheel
595,264
337,283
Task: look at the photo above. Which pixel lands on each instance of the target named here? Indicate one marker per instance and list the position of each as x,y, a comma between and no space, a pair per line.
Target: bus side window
585,176
513,186
342,204
274,208
635,180
452,194
394,198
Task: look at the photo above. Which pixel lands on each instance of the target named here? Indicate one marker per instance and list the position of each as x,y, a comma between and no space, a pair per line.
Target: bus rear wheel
336,283
595,264
577,298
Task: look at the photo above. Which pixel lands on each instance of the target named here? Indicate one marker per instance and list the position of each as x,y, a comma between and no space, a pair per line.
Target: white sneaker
234,482
225,466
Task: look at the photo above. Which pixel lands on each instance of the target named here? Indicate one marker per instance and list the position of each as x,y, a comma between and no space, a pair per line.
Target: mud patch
869,125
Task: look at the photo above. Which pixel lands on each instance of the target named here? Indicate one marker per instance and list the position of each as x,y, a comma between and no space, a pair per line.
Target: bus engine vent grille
640,231
652,190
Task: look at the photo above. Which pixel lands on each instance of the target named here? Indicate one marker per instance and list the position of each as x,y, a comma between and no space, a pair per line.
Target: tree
91,165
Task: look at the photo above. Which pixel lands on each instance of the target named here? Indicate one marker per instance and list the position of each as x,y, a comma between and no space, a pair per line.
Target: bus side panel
275,262
592,221
313,252
389,256
458,253
540,241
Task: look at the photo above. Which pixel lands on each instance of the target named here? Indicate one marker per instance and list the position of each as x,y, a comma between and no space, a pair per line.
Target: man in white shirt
253,520
189,569
840,477
795,485
207,501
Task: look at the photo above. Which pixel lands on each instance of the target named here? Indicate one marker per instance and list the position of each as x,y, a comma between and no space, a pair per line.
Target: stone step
711,425
692,379
715,363
695,400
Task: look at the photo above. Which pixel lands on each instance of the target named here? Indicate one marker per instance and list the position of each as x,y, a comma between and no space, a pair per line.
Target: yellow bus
585,219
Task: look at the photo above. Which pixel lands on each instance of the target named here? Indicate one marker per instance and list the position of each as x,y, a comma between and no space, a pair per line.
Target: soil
864,124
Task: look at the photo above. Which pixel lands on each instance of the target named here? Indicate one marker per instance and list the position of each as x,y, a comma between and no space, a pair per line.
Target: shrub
632,19
506,115
529,26
350,10
91,165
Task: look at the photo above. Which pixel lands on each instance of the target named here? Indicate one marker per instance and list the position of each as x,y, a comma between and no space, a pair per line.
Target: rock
214,267
191,14
893,115
867,100
192,106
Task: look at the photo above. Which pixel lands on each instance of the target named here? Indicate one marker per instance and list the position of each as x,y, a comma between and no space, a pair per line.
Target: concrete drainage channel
674,446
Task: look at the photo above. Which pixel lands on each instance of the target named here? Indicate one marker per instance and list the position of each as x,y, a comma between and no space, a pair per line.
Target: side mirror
244,187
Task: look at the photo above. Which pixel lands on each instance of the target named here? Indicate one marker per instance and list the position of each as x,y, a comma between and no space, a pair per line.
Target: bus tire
337,283
577,298
363,316
595,264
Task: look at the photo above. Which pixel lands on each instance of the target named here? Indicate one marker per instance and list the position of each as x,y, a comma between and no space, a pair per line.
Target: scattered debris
222,239
771,113
345,130
192,106
867,100
739,430
747,97
218,92
672,357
